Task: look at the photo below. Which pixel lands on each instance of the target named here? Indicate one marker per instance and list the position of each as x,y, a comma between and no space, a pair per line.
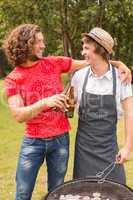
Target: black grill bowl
86,187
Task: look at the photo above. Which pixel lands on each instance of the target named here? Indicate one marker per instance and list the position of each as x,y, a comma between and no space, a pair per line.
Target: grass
11,134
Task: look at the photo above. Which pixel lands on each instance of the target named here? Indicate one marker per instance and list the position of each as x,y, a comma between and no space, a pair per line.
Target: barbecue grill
92,188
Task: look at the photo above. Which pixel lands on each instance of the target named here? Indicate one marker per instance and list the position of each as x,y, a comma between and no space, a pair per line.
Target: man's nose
43,46
82,52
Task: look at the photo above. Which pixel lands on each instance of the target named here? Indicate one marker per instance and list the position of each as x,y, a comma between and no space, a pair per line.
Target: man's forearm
23,114
78,64
128,114
116,64
124,71
129,132
119,65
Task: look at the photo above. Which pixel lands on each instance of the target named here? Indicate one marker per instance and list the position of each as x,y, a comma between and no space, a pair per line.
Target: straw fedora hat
102,37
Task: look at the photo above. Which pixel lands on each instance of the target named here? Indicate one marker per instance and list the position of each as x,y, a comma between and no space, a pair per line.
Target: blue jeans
32,155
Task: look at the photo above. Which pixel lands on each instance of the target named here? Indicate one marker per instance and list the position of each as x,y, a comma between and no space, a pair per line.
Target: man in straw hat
100,94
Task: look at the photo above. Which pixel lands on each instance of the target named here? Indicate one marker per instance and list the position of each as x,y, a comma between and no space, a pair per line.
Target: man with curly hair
33,89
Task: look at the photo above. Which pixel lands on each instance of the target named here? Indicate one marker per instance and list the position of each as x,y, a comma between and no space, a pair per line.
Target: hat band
96,38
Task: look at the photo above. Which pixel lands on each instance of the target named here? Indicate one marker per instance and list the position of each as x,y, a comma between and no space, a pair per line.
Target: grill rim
87,179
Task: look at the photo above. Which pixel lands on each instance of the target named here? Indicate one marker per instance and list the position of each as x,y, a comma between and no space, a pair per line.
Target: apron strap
84,87
86,79
85,83
114,80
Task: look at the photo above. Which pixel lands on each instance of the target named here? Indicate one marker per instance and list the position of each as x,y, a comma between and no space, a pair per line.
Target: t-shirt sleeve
10,86
126,91
63,63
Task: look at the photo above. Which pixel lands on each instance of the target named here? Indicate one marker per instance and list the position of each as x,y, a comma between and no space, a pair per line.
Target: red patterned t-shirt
41,80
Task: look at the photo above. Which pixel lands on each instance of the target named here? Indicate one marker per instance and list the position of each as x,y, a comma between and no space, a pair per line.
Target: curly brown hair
19,44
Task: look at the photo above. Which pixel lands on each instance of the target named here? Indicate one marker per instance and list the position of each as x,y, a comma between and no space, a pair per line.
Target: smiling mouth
40,54
86,57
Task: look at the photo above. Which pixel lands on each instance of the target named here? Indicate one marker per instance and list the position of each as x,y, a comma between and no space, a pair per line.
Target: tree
63,21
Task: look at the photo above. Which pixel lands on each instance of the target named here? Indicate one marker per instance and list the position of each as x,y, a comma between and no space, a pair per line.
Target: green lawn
11,134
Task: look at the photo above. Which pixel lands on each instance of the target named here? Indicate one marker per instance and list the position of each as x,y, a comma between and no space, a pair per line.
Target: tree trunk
3,64
68,45
100,13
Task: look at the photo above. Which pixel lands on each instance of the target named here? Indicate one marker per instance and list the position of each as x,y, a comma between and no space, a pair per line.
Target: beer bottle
69,92
70,102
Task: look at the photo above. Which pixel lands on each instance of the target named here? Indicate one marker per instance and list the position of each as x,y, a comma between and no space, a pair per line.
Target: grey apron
96,142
